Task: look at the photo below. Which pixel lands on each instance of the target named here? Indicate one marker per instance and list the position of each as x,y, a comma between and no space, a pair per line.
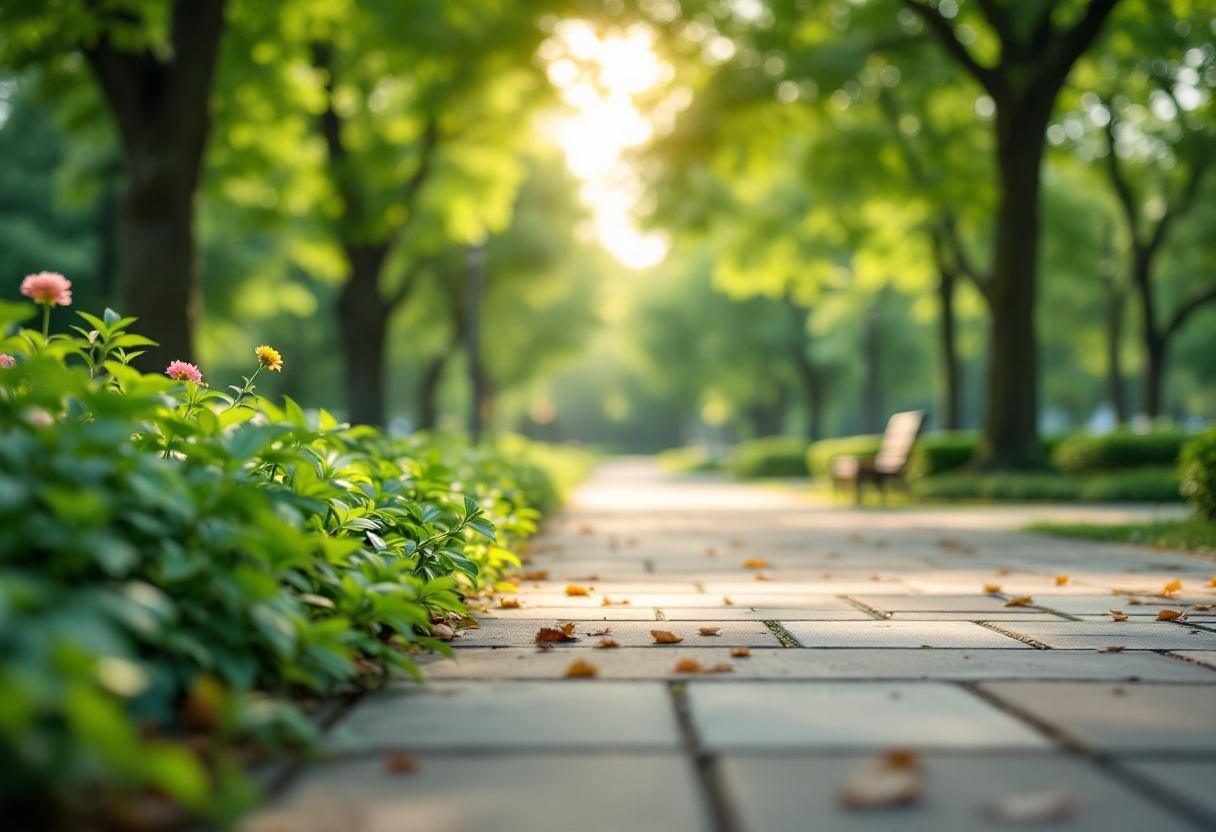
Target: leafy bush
819,455
1185,535
177,565
687,460
1149,484
770,456
936,453
1197,470
1084,453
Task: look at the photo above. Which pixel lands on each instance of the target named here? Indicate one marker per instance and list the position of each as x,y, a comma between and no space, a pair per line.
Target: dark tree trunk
948,344
428,392
1115,306
871,350
808,374
363,318
1010,438
162,109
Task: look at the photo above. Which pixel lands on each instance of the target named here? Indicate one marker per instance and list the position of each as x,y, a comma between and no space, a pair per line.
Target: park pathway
868,631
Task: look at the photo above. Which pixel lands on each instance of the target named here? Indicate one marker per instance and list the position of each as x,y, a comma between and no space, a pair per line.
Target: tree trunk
162,110
768,418
812,379
1115,304
428,392
949,419
363,325
1010,438
871,350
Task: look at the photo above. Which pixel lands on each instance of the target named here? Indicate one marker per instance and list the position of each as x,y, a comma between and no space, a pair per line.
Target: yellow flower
270,358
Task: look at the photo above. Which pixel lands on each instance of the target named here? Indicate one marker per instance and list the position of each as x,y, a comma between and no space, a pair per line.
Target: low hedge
1150,484
1085,453
819,455
178,567
770,456
1197,469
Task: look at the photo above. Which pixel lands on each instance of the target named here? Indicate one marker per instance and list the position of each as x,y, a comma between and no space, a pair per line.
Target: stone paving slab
626,633
1191,781
934,603
1204,657
905,634
551,614
735,613
542,792
1023,614
1094,635
510,715
790,664
1102,604
1120,718
850,715
783,793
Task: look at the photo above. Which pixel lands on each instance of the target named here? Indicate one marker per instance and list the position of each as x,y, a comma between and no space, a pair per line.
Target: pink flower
182,371
7,361
48,289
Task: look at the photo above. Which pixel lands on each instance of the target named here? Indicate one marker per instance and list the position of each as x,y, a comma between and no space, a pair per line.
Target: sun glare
598,78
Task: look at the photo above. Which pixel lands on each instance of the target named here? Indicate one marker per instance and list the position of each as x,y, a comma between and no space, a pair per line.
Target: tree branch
1183,312
989,78
1064,48
1122,189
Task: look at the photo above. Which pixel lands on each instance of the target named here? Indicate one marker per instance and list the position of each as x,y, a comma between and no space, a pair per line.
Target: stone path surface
868,631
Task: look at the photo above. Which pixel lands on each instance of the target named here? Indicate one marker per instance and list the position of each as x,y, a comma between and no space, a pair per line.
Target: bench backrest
897,441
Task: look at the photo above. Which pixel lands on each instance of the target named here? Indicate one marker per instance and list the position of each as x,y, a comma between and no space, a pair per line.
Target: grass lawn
1185,535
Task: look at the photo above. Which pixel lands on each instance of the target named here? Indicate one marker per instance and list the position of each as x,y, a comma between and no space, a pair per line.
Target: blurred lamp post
475,264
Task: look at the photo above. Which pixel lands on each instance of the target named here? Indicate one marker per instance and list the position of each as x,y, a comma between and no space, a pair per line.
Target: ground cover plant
182,568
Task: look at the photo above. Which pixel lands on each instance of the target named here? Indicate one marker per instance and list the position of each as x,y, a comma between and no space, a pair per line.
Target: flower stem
46,322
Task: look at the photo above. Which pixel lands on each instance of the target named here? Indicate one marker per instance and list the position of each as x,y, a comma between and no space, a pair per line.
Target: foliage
1084,453
819,455
687,460
175,567
1150,484
770,456
936,453
1185,535
1197,469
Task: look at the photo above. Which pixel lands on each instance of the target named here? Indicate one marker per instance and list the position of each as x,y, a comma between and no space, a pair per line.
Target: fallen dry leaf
1040,807
602,632
740,652
545,646
574,589
689,666
1212,582
762,577
755,563
710,551
1024,601
581,668
1193,630
1170,615
1061,579
398,763
1115,612
992,589
1172,587
710,631
443,632
727,601
894,780
1135,602
856,538
563,632
1119,648
586,529
607,642
664,637
948,543
1201,607
1118,618
538,575
509,603
724,667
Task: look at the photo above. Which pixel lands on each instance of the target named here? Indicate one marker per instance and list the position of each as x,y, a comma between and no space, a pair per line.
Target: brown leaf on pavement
563,632
727,601
1212,582
575,589
607,642
581,668
1201,607
1170,615
1024,601
1135,602
509,603
538,575
710,631
740,652
755,563
1061,579
586,529
711,552
1119,648
894,780
1172,587
762,577
664,637
398,763
1025,809
689,666
1118,618
602,632
724,667
992,589
545,646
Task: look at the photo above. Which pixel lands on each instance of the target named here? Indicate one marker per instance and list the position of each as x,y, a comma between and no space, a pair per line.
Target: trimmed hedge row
770,456
1152,484
1197,469
1083,453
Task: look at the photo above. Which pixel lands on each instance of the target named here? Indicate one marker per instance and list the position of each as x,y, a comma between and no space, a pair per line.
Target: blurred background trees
703,220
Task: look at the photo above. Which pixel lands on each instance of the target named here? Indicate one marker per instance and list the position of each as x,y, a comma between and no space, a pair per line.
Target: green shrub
819,455
1197,470
1150,484
687,460
1084,453
177,565
770,456
936,453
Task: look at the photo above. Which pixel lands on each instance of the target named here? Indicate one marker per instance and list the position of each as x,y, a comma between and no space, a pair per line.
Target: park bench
890,462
